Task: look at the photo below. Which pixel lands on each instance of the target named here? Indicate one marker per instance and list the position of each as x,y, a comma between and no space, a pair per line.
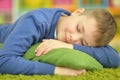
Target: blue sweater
32,28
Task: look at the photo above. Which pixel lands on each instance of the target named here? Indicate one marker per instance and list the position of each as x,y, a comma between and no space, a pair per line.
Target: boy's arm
106,55
4,29
18,65
21,37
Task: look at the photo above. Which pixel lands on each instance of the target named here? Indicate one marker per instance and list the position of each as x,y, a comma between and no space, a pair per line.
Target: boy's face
76,29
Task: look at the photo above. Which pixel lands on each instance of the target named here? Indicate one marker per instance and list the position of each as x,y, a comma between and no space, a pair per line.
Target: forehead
90,30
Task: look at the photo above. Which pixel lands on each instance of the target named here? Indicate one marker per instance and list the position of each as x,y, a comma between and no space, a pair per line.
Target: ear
78,11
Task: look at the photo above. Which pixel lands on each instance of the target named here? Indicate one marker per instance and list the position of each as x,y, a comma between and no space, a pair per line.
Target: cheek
70,29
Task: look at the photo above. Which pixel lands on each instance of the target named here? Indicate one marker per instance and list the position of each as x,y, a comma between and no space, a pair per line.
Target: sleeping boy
86,30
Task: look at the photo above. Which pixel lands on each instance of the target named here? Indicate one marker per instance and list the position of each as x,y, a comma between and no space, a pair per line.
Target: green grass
105,74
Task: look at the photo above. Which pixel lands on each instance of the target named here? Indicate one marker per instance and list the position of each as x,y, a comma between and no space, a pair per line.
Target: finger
43,50
40,46
47,50
83,71
40,52
36,50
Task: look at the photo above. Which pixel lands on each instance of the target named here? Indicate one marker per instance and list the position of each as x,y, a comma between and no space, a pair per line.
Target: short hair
106,25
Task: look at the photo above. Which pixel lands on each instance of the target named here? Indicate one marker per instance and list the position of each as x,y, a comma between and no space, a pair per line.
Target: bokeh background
10,10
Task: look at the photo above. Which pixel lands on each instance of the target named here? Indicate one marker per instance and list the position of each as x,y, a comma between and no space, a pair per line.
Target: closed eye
78,28
84,43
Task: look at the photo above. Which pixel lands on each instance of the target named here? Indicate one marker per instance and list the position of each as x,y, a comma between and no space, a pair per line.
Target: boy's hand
50,44
68,71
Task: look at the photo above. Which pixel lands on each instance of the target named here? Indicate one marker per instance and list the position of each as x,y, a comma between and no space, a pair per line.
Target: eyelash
78,29
82,43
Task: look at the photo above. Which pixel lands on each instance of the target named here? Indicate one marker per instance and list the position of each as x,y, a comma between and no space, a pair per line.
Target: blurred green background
10,10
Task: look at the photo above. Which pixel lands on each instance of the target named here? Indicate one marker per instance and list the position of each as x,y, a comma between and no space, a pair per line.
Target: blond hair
106,25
